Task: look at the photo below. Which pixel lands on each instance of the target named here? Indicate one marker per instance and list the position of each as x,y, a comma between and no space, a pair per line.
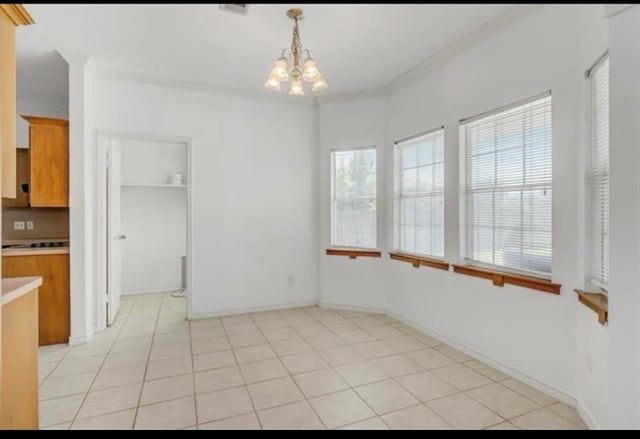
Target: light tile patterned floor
304,368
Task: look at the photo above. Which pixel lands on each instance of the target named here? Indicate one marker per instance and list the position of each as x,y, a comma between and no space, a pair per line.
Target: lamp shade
272,83
320,84
310,72
296,88
280,69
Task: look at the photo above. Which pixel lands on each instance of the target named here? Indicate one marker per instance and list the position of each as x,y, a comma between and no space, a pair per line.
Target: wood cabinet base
54,319
19,376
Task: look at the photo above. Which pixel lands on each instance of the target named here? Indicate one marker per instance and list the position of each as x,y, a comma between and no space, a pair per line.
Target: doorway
144,220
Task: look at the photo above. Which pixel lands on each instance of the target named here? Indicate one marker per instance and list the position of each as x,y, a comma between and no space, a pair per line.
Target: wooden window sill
417,261
353,253
597,302
501,278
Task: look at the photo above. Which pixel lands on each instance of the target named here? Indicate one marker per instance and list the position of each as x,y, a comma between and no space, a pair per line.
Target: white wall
253,188
356,283
623,403
592,339
154,219
82,196
517,328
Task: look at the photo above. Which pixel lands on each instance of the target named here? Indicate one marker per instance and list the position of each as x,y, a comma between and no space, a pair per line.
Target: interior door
114,232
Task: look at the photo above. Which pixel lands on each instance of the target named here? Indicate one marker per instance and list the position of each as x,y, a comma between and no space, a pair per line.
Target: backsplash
47,223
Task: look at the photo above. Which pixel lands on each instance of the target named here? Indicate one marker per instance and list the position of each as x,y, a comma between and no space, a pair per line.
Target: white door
114,233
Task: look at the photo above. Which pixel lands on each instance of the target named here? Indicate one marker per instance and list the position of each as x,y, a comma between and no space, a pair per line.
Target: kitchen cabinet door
54,324
49,162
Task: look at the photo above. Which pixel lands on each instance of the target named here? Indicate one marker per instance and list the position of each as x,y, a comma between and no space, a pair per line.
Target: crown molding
468,41
612,10
491,27
378,92
17,14
122,75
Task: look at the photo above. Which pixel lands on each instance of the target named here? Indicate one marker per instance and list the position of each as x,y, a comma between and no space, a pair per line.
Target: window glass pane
599,218
508,187
354,198
421,195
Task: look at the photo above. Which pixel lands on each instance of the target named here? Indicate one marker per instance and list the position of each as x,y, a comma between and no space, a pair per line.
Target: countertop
35,251
14,287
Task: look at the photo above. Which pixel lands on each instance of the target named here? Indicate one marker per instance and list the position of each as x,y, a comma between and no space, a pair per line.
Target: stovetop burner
48,244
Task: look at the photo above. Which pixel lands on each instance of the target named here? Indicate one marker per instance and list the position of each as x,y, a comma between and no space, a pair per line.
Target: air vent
236,8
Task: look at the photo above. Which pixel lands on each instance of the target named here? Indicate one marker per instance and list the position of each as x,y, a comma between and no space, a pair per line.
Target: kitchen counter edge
35,251
15,287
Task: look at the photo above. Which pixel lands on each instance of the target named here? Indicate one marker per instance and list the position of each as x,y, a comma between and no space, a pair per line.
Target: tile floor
304,368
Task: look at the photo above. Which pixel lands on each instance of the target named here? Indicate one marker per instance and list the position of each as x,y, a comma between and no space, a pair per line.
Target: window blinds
508,186
600,173
353,216
421,202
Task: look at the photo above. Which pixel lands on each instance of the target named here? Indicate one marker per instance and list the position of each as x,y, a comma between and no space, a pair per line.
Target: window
353,200
420,162
599,270
508,187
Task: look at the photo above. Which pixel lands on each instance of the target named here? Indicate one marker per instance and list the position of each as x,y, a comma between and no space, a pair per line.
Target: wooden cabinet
53,299
8,104
22,178
19,361
11,15
48,162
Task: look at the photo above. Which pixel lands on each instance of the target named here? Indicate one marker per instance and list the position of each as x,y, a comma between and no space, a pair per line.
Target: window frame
462,166
591,279
333,199
398,195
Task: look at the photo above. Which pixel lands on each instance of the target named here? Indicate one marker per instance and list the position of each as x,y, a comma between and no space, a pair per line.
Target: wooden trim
17,14
597,302
500,278
353,253
417,261
45,120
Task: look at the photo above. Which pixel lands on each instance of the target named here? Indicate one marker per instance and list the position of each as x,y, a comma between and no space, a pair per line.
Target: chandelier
309,72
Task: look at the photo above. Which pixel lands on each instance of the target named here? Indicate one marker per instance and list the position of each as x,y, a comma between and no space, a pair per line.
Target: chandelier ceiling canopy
289,68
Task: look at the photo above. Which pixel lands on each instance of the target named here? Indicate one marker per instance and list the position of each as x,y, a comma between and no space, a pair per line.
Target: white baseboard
139,293
352,308
231,312
508,370
79,339
586,416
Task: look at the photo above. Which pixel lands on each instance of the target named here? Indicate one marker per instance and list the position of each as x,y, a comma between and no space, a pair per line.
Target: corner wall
358,283
529,332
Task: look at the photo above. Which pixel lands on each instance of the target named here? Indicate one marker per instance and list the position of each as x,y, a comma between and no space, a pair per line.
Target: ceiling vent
236,8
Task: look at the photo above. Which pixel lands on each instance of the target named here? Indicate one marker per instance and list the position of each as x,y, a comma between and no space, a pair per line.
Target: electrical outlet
29,225
18,225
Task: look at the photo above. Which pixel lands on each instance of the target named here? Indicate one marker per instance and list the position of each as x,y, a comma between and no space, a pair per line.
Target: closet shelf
152,185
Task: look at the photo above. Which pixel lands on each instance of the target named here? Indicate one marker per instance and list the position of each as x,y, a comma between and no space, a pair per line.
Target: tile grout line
84,399
290,376
146,368
388,378
244,381
193,375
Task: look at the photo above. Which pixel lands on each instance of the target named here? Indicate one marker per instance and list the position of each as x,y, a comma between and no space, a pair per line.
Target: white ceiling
358,47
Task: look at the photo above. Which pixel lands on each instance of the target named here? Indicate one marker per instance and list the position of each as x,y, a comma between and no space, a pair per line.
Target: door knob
122,236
